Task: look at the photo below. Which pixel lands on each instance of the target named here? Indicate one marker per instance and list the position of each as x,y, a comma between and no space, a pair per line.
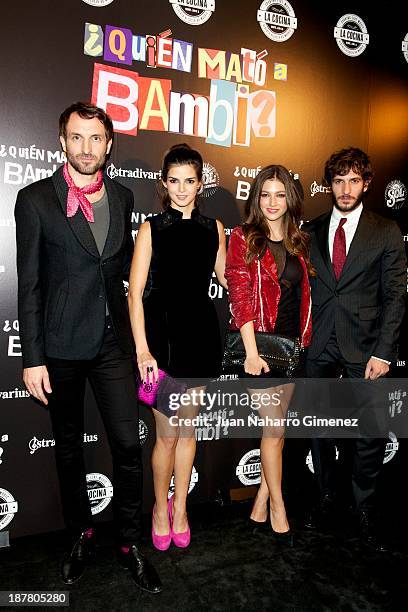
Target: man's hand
376,368
37,382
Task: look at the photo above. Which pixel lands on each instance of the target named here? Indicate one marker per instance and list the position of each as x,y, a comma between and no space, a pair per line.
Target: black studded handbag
281,353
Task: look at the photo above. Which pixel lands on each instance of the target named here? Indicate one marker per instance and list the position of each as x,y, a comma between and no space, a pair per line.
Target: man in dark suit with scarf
358,305
74,248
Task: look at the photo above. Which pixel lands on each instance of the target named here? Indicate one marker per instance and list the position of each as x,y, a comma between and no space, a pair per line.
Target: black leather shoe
142,571
77,559
369,535
310,520
258,528
321,515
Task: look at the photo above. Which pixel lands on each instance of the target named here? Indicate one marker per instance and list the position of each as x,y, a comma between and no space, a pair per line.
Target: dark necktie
339,248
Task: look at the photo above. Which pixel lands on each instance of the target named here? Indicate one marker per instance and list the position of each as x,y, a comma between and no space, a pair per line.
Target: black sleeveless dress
181,322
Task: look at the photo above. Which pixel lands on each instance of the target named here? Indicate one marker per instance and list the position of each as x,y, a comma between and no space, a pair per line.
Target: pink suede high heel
182,540
161,542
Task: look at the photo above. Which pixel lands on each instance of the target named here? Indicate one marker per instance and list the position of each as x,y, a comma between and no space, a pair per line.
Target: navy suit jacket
366,305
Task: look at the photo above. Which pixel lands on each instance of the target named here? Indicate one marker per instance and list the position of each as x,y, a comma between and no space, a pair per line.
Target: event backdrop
246,82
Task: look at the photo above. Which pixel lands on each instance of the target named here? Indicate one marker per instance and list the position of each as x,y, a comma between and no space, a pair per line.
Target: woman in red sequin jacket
267,271
254,289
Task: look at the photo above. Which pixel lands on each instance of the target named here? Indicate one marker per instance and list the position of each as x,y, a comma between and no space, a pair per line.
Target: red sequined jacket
254,290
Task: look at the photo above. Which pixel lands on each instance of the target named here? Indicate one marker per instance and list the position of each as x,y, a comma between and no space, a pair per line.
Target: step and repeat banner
247,83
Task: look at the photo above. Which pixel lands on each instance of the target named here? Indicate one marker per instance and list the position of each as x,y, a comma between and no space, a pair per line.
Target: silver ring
150,368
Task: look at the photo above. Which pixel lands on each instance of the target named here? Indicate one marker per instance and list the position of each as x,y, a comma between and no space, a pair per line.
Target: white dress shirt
349,229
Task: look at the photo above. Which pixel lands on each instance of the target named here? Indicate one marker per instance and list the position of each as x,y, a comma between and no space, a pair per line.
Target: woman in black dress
174,322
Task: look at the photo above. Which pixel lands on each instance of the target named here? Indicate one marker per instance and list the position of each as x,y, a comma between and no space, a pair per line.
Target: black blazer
367,303
63,282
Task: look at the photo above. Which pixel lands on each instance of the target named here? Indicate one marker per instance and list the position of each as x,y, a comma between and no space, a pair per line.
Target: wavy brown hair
256,228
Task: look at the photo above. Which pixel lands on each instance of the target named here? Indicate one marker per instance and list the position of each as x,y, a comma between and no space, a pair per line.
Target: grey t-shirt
100,226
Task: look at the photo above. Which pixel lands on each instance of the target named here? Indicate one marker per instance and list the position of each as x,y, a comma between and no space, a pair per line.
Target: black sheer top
290,274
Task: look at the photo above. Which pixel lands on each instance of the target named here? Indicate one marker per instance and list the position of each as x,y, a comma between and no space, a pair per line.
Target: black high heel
257,528
285,538
282,537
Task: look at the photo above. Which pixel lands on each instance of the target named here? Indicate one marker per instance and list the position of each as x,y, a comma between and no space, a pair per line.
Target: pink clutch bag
147,391
158,393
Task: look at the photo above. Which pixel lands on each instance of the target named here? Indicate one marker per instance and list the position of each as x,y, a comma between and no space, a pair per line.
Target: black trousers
112,378
362,456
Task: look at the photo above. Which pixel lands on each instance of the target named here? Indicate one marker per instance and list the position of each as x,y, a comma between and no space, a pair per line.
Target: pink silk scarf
77,198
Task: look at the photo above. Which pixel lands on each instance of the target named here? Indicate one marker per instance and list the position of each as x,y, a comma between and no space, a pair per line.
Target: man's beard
350,205
83,168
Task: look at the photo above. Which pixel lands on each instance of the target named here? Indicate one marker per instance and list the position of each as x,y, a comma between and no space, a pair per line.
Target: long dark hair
179,155
256,228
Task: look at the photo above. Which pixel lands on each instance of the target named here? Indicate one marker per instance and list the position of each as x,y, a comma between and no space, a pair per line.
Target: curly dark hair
351,158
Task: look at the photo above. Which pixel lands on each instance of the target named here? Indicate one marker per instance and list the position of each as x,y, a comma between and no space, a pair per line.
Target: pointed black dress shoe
320,516
310,520
369,535
142,571
258,528
77,559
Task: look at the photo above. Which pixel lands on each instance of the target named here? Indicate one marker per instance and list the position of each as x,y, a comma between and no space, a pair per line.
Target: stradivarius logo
249,468
133,173
277,19
193,12
351,35
8,508
35,444
100,491
395,194
316,188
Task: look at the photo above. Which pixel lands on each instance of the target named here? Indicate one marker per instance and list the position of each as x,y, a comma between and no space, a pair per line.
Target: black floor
224,569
